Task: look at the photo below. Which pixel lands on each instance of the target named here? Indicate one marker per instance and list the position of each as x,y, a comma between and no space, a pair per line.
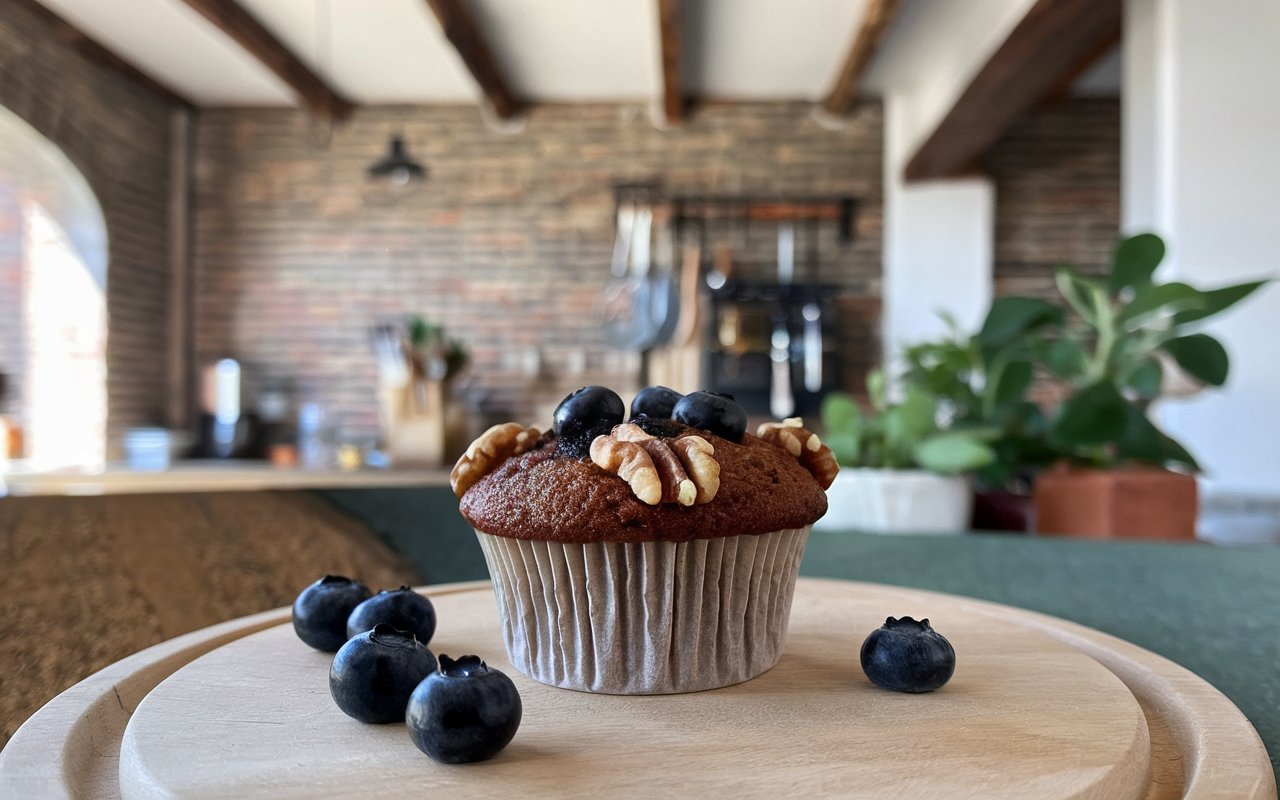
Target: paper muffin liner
645,617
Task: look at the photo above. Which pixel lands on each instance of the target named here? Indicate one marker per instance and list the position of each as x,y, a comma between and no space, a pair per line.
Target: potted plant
982,383
1120,475
900,472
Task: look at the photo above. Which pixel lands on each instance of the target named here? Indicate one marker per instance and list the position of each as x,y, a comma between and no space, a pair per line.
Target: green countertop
1214,610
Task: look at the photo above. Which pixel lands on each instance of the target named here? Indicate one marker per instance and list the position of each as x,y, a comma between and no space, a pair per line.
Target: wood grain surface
1025,715
1201,746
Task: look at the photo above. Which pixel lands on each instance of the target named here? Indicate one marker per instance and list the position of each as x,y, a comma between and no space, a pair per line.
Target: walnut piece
488,451
804,445
698,457
631,462
685,472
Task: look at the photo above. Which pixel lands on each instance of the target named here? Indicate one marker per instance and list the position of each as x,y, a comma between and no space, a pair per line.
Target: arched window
53,318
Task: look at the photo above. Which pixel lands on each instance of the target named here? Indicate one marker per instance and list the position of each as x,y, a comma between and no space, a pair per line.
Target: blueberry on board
402,608
320,613
908,656
717,413
582,416
373,674
465,711
654,401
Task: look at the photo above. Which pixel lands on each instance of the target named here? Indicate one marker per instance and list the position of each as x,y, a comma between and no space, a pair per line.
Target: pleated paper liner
645,617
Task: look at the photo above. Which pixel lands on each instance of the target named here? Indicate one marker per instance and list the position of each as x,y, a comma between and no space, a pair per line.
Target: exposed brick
1057,177
507,243
117,134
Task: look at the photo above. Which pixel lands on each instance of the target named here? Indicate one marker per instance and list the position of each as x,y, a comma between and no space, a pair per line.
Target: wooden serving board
1037,708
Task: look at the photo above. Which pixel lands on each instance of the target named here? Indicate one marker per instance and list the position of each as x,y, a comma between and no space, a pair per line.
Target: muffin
649,557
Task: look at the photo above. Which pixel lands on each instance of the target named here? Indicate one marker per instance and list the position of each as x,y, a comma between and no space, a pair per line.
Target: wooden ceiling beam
245,30
1045,47
871,32
93,51
670,26
464,34
1062,89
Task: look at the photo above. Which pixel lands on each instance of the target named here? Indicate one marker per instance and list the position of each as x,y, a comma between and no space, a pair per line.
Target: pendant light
397,165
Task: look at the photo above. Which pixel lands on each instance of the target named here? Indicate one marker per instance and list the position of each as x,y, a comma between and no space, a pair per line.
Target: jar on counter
12,440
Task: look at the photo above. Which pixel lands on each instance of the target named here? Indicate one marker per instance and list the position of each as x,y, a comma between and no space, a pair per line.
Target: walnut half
489,450
678,470
804,445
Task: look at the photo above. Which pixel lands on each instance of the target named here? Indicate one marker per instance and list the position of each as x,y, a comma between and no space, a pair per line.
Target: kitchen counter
94,579
208,476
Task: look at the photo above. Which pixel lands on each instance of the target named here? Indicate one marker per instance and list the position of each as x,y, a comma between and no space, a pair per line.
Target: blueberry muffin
647,557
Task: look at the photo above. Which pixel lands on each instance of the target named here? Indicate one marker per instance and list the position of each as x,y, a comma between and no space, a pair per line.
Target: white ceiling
767,48
393,51
372,51
174,45
574,49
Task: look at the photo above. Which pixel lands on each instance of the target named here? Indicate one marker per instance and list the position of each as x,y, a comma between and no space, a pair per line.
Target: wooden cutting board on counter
1038,707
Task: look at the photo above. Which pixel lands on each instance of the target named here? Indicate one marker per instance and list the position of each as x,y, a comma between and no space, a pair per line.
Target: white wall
1202,168
939,246
939,235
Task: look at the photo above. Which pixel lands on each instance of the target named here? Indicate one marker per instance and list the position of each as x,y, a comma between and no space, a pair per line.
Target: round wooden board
1025,716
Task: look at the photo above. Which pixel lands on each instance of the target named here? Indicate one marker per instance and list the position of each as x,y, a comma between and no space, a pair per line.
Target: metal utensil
812,313
664,292
786,252
616,305
643,329
782,402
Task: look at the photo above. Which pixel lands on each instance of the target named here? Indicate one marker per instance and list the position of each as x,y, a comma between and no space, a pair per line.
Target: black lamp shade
397,165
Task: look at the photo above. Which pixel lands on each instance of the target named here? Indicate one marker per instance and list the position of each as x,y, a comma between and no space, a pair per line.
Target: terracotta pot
1127,502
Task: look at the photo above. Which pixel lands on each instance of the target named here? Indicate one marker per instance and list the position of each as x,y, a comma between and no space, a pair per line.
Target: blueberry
908,656
655,401
582,416
320,612
403,608
661,428
373,674
713,412
465,711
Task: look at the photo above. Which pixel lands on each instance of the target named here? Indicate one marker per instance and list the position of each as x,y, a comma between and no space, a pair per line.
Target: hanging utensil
720,276
685,344
622,244
643,331
664,293
812,313
616,305
786,253
782,402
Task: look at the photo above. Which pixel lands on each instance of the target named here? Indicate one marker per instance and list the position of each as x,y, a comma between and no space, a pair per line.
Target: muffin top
660,480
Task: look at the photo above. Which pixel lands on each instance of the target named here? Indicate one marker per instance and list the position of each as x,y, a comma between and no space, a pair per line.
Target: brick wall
1057,177
117,134
507,243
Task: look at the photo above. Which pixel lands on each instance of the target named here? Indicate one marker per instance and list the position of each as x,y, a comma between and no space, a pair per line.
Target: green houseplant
982,382
1114,355
900,469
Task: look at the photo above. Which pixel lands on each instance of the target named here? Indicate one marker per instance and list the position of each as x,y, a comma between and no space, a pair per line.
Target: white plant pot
897,501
